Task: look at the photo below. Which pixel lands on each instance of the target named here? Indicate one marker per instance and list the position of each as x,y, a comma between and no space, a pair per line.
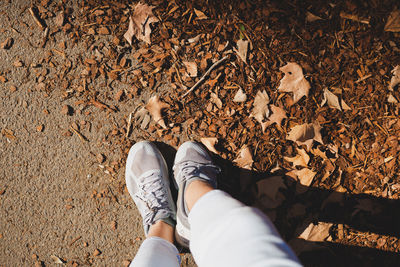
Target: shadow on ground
360,212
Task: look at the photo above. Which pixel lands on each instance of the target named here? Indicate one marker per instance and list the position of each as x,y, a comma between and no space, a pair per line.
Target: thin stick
78,134
37,19
204,76
74,240
128,130
45,36
354,18
364,78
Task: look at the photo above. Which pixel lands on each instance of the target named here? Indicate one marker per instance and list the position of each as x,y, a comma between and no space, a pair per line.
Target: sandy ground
48,207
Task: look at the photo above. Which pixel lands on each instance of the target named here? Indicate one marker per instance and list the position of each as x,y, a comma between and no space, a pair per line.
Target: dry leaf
393,22
310,17
278,114
60,18
155,107
316,233
395,78
242,49
305,134
304,176
331,99
199,14
139,23
301,159
240,96
328,168
245,159
56,259
215,99
210,143
268,189
345,106
260,111
392,99
294,81
191,68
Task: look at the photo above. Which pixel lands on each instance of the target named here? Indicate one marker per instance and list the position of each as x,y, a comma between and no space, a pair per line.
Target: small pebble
96,252
67,110
40,128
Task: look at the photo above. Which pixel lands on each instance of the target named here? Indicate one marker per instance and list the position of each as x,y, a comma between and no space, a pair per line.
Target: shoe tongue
163,215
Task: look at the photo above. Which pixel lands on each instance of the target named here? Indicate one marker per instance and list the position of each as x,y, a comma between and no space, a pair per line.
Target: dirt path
56,200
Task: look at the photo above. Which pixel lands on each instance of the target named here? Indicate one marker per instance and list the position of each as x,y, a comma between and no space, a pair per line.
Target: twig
74,240
128,128
98,104
78,134
179,76
354,18
364,78
205,75
37,19
45,36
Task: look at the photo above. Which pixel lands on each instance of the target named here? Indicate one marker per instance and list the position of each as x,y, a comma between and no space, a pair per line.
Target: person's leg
147,182
223,231
158,249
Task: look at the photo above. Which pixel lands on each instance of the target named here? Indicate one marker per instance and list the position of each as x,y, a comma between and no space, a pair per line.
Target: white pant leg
225,232
156,252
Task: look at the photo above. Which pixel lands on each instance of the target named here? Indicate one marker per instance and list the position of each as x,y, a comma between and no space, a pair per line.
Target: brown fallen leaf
103,31
260,108
305,176
328,169
294,81
301,159
139,23
310,17
331,99
60,18
240,96
210,143
245,159
200,15
392,99
395,78
305,134
241,51
344,105
216,100
316,233
393,22
277,116
155,108
268,191
191,68
57,260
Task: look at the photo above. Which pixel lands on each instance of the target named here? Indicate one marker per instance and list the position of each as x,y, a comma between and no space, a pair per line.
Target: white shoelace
154,195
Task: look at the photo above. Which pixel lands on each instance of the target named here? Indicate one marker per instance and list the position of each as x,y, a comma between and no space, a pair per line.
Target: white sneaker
192,162
146,177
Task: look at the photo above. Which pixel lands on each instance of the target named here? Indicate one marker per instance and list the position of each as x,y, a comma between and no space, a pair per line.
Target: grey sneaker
146,177
192,162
